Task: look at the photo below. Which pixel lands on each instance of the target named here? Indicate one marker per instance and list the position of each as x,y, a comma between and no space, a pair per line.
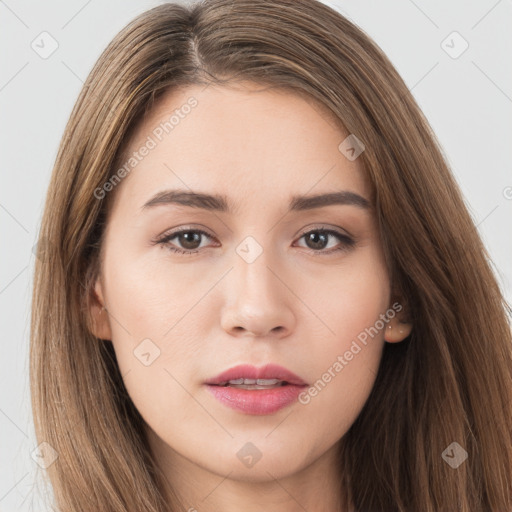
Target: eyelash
347,242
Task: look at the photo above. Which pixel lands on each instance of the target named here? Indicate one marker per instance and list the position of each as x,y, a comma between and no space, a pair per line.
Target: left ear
397,328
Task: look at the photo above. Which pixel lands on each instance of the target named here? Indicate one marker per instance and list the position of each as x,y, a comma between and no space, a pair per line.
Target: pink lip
246,371
257,401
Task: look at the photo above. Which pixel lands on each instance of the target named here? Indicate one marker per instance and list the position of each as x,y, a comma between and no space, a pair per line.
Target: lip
247,371
257,401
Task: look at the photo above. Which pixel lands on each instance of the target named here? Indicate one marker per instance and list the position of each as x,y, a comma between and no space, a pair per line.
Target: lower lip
256,401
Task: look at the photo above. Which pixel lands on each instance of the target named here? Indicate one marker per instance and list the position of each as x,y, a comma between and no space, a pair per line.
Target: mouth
270,375
256,391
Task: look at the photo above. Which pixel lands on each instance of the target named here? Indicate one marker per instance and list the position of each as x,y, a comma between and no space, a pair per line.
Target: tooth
255,387
267,382
251,382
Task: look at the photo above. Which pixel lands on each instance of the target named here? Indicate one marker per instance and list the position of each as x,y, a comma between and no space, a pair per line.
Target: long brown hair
449,382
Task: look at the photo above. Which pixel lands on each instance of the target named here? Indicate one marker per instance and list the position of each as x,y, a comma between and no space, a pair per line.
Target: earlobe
100,322
397,331
400,325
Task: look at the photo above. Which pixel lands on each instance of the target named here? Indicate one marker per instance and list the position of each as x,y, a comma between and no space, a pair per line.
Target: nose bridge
256,296
252,270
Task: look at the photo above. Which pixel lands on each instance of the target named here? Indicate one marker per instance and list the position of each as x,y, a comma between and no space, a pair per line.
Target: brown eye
189,239
318,239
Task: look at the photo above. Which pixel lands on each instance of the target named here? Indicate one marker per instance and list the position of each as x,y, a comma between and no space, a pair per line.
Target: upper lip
247,371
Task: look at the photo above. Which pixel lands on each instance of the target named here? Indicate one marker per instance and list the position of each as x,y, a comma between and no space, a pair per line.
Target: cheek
149,294
347,349
346,299
155,333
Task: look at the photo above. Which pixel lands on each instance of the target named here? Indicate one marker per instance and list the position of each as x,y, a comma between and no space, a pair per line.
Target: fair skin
299,304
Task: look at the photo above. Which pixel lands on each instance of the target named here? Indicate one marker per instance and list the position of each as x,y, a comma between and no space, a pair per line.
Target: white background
468,101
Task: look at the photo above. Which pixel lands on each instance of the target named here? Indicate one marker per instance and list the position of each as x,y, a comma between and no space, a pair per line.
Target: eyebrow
220,203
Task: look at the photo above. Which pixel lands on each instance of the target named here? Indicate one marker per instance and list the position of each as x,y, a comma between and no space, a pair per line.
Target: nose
258,299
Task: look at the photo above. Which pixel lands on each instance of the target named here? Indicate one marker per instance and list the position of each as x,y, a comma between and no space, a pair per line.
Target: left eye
319,236
189,238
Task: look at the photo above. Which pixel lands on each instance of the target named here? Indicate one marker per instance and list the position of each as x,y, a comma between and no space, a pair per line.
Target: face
192,290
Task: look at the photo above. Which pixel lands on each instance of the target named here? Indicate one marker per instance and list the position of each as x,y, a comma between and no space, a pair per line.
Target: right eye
189,237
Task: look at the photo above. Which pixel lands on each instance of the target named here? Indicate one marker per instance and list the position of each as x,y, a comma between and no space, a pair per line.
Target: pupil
186,235
314,236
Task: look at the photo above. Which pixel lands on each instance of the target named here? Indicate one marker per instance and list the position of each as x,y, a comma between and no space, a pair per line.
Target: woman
261,286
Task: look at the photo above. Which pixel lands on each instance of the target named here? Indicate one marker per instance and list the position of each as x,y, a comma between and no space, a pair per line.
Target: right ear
99,315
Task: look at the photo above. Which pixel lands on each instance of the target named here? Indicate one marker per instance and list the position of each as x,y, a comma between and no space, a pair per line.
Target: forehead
246,141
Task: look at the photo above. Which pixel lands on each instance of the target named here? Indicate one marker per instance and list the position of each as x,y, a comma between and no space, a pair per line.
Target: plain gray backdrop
466,94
